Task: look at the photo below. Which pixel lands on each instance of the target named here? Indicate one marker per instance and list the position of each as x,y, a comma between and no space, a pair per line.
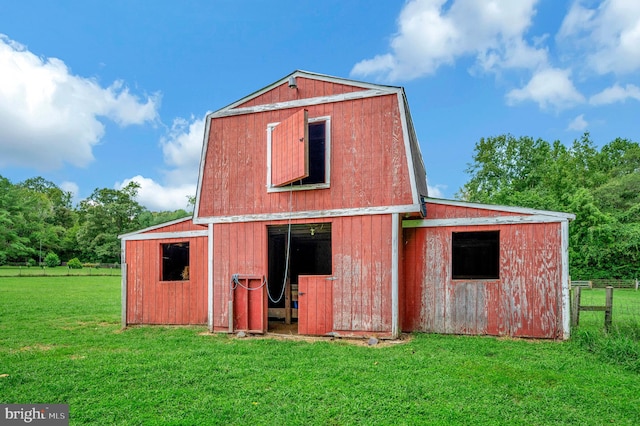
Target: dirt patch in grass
358,341
37,348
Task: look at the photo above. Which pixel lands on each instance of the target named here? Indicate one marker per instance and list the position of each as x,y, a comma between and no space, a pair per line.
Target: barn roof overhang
521,215
137,235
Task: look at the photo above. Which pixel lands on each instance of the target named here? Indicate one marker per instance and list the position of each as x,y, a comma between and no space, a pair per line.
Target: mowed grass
61,342
621,343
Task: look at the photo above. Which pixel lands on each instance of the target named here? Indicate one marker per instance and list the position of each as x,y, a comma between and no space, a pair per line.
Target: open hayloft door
299,285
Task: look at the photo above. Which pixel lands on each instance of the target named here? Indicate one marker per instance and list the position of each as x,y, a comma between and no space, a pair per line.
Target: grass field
61,342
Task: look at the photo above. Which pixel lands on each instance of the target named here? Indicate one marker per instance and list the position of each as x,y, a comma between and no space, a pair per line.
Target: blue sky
95,94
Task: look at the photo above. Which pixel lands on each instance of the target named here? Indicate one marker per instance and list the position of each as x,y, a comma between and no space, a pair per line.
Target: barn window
298,151
475,255
175,261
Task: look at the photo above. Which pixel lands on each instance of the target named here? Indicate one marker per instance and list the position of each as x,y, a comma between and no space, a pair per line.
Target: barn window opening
175,261
475,255
317,151
298,151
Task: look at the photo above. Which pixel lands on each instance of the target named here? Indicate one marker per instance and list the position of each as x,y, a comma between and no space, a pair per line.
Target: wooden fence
604,283
577,307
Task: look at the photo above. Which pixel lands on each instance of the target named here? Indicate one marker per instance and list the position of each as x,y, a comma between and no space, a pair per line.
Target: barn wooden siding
526,301
360,291
152,301
306,88
368,153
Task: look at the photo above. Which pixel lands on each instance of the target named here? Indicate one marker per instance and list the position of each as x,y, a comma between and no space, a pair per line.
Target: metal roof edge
154,227
310,75
512,209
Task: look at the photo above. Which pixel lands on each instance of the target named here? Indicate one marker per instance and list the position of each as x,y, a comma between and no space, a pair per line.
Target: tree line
37,219
600,186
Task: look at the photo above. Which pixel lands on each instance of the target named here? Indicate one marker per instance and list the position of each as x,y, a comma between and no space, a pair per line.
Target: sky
95,94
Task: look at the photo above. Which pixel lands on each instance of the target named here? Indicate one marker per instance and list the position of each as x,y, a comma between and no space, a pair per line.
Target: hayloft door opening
298,254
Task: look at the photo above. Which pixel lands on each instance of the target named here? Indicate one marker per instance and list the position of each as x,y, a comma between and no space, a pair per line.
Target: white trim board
210,277
299,103
395,276
164,235
487,221
311,214
566,302
311,76
158,226
511,209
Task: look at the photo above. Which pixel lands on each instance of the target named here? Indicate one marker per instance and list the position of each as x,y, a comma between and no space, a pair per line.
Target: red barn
312,212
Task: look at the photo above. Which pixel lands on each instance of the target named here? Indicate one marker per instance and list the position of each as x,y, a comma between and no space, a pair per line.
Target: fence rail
604,283
577,307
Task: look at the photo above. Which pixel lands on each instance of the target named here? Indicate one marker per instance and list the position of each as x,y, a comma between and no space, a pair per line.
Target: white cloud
578,123
71,187
430,35
182,149
49,116
549,88
616,93
436,191
160,198
607,34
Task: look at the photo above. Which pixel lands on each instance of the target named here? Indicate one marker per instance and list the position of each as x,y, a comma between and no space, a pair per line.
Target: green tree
18,221
106,214
51,260
148,218
599,187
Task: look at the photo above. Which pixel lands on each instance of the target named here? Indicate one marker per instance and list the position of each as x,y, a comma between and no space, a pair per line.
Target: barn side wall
152,301
526,300
361,263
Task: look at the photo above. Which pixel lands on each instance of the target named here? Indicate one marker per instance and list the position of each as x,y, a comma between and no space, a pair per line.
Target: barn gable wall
368,161
306,88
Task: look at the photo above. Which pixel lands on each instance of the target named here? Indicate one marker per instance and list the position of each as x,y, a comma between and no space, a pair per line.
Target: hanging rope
288,253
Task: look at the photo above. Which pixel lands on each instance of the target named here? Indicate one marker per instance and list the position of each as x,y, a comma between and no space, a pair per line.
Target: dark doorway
309,253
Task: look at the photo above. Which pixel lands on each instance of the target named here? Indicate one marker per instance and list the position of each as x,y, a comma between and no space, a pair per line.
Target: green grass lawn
61,342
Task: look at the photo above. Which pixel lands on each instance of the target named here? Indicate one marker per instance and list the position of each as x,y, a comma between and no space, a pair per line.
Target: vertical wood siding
238,248
152,301
362,268
361,261
290,149
367,154
250,305
315,313
307,88
186,225
524,302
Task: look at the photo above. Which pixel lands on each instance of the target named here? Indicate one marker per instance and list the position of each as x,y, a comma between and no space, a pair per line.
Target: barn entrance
296,252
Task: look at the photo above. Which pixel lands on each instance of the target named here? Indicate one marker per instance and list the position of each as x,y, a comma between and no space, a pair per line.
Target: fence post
575,312
636,284
608,313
